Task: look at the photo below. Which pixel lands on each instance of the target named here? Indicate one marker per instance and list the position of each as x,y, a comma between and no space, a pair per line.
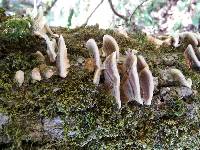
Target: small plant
16,28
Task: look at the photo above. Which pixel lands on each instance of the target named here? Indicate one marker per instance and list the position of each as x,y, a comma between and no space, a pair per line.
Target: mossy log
73,113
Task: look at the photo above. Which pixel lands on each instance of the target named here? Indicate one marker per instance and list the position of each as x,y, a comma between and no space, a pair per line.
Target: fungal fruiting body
146,80
110,45
40,28
92,46
32,12
39,56
141,63
38,23
47,71
197,35
62,62
168,41
197,52
112,78
137,81
154,40
97,75
131,85
177,75
147,85
51,46
192,38
121,31
89,64
191,58
35,74
19,77
162,40
176,40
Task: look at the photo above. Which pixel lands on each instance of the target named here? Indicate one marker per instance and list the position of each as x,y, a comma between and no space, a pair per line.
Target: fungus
168,41
32,12
39,56
154,40
92,46
141,63
176,40
47,71
110,45
111,75
130,79
158,42
177,75
35,74
62,62
197,52
137,81
147,85
89,65
146,80
19,77
192,38
51,46
40,27
97,75
197,35
132,83
191,58
122,32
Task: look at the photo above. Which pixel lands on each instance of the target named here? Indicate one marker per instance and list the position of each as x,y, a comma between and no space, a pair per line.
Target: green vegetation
15,28
89,111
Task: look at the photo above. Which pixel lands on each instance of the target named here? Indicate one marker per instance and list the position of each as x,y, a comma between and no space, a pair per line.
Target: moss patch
89,111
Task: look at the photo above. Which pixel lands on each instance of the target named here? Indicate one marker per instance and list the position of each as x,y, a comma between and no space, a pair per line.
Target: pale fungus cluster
61,102
192,52
131,80
176,39
56,51
175,75
128,77
159,42
192,56
191,37
136,81
40,27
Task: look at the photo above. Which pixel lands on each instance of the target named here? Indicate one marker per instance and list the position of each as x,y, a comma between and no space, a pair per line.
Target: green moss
176,108
2,15
15,28
86,109
2,11
16,35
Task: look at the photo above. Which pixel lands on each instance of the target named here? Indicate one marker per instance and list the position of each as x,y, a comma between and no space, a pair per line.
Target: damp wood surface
89,115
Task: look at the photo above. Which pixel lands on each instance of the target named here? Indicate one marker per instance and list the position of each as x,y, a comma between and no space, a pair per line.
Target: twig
115,12
140,5
49,7
86,22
